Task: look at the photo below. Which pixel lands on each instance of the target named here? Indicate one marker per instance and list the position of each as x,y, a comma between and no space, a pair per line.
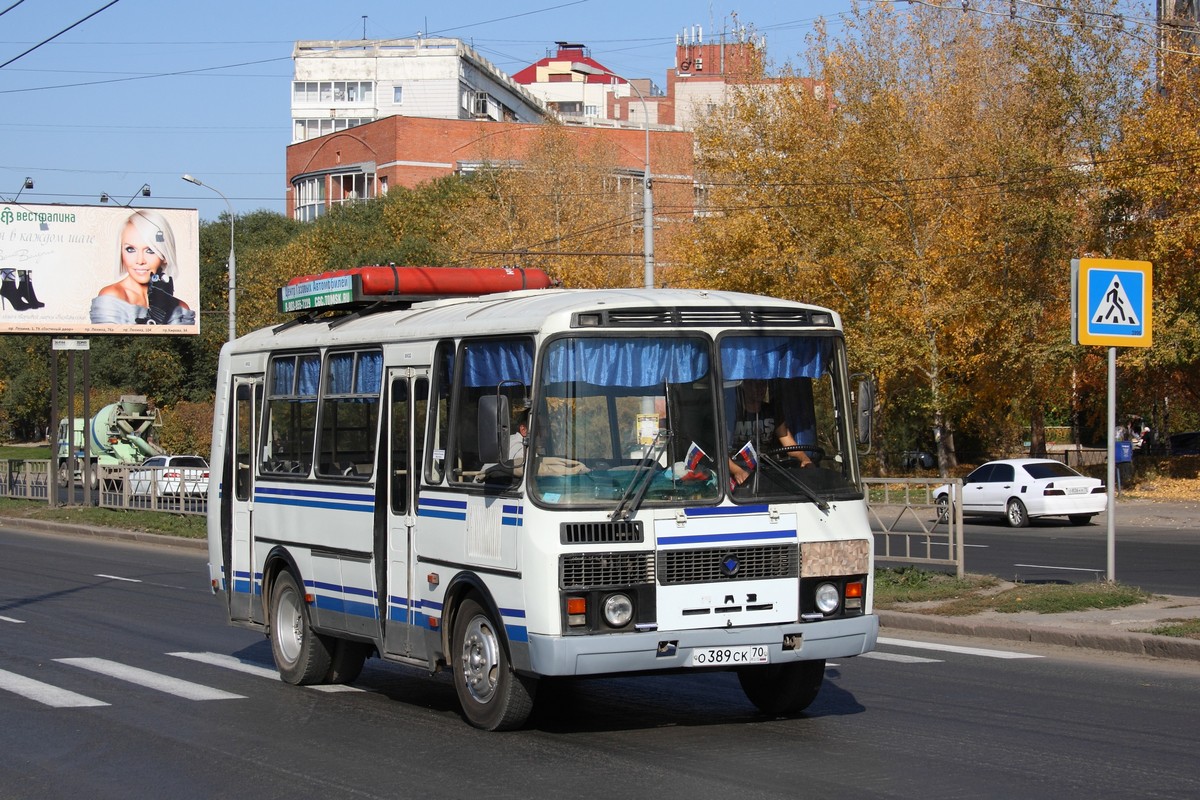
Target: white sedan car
164,475
1020,489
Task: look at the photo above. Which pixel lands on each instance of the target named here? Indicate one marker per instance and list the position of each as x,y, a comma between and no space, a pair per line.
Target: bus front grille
677,567
601,532
585,570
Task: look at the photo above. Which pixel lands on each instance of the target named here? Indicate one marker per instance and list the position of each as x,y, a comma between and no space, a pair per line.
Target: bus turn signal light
576,611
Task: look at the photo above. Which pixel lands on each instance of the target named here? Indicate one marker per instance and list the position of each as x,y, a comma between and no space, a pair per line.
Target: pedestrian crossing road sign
1110,302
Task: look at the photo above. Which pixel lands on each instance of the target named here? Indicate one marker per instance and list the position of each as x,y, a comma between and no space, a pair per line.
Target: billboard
94,270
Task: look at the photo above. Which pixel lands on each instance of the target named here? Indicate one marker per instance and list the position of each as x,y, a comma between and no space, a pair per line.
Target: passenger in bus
144,293
516,441
756,424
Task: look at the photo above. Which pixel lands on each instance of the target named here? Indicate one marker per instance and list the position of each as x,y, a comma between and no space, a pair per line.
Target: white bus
544,482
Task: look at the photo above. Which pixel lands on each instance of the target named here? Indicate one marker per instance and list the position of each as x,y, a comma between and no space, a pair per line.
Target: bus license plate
730,656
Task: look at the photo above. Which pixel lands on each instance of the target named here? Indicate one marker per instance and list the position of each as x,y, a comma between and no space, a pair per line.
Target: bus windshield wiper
807,490
642,476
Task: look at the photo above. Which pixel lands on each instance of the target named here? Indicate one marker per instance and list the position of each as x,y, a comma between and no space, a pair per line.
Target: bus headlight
618,610
827,598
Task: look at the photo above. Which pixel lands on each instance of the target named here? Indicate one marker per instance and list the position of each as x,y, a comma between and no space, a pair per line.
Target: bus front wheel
301,655
781,689
493,697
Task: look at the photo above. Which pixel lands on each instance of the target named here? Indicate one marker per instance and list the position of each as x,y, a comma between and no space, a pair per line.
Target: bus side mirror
493,428
865,399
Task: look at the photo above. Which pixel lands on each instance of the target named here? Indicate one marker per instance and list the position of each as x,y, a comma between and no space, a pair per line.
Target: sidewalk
1117,630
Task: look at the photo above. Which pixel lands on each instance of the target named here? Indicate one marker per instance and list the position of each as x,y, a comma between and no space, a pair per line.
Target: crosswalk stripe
230,662
151,680
44,693
251,668
899,658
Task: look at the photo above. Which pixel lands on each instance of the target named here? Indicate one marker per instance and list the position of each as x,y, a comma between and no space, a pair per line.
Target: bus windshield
671,420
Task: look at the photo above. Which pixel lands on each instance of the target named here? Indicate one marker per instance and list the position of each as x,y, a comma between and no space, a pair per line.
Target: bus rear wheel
493,697
346,661
301,655
781,689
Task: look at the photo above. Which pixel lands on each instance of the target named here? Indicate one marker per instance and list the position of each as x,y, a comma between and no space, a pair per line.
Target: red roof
574,53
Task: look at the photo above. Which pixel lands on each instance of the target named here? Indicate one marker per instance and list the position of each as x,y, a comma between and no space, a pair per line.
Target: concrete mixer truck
119,435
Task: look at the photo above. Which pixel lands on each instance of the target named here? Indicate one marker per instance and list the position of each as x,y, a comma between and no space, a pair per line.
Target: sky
142,91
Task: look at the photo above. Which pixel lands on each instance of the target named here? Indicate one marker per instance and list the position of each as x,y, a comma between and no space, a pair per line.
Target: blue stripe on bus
748,536
461,516
425,500
333,587
326,494
725,510
282,501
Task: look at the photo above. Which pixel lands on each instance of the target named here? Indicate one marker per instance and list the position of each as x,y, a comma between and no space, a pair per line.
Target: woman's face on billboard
139,257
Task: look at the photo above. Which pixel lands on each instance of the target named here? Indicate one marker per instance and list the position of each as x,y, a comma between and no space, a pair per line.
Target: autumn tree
930,177
565,206
1153,213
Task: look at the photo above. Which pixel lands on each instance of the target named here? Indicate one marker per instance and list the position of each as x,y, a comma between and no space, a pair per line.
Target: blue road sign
1113,305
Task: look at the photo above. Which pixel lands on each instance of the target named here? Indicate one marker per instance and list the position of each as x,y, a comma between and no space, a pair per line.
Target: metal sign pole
1112,463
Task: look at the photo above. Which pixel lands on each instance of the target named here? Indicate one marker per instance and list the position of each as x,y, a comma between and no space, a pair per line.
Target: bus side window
400,446
438,416
243,449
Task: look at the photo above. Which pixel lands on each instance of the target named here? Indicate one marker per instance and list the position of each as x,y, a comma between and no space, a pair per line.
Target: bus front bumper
614,653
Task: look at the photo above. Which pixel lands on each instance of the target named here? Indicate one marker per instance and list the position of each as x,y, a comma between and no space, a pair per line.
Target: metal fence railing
909,527
909,524
179,491
27,480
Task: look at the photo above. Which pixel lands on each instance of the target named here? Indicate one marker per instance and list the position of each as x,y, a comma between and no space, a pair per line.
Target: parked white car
164,475
1020,489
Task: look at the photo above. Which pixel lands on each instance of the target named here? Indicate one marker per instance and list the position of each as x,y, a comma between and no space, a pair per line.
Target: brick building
364,161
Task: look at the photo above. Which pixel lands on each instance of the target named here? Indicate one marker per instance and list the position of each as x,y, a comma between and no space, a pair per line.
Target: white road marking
953,648
252,668
1048,566
230,662
118,578
11,619
902,659
151,680
44,693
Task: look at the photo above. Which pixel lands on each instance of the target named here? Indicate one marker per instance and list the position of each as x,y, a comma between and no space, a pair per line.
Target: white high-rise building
341,84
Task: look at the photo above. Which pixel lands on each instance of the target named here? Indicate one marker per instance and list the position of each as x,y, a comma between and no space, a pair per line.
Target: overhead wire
75,24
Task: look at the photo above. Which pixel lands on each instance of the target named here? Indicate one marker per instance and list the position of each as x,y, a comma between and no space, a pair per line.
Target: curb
1139,644
99,532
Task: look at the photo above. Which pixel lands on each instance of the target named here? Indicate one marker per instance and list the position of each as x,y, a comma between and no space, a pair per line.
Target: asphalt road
1162,558
119,625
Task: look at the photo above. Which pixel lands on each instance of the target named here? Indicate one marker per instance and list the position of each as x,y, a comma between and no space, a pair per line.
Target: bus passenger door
409,394
247,393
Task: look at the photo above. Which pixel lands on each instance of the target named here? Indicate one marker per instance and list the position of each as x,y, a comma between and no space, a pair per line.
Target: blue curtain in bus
310,376
283,373
344,380
370,373
627,362
489,363
765,357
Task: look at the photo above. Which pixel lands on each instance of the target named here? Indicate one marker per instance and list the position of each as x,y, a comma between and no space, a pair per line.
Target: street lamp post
583,69
232,258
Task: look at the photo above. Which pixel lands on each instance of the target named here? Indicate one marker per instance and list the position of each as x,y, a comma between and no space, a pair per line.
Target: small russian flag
694,456
747,456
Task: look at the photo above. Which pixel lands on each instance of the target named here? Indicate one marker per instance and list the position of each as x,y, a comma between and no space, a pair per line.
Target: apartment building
340,84
369,114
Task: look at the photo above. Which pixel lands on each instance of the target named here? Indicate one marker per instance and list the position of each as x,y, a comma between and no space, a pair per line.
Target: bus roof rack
366,288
